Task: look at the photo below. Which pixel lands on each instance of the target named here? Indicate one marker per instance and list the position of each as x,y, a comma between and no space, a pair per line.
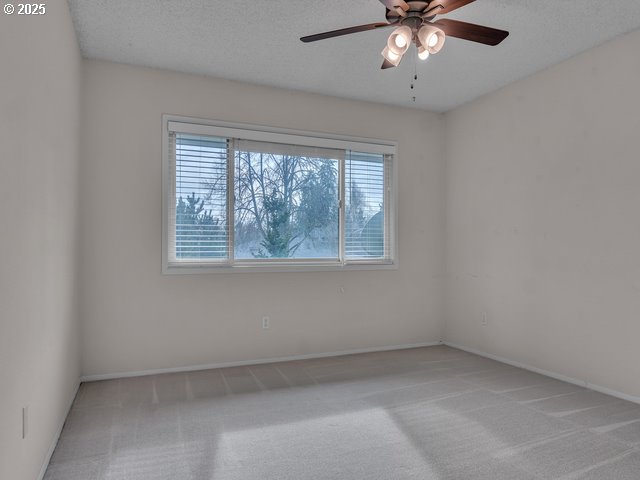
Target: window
246,197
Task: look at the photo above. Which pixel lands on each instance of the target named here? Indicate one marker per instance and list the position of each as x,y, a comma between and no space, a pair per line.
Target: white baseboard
547,373
260,361
56,436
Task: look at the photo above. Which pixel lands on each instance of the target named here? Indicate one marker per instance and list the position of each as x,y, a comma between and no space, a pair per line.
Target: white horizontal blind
198,209
367,207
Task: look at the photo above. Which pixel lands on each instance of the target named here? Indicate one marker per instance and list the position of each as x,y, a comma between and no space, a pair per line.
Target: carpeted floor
426,413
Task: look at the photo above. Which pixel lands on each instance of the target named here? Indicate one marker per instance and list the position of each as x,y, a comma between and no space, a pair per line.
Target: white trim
237,267
177,123
166,196
547,373
393,234
260,361
56,436
342,208
263,133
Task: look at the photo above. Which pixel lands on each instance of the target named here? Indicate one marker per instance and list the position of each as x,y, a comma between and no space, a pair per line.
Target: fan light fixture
399,40
423,53
431,38
391,57
414,22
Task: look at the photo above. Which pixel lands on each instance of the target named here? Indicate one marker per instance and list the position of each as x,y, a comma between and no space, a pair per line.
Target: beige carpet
427,413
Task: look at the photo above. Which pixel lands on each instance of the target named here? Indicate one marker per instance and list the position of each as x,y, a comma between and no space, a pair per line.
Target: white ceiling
257,41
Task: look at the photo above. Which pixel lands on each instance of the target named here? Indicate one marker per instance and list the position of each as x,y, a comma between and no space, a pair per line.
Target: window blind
367,206
198,208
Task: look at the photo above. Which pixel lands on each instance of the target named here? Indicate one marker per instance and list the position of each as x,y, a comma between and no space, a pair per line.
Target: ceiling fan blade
448,5
471,31
386,64
345,31
393,4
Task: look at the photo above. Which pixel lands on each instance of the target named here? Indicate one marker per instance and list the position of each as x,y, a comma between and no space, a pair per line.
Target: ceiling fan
415,24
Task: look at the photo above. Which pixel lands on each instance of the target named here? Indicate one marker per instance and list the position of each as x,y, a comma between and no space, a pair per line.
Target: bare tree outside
284,203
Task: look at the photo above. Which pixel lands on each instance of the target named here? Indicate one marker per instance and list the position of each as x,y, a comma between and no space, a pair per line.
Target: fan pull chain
415,73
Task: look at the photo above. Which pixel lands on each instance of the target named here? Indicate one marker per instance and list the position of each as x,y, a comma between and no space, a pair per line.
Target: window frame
199,126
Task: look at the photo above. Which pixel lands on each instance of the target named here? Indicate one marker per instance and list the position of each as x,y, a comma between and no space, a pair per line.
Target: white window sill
253,268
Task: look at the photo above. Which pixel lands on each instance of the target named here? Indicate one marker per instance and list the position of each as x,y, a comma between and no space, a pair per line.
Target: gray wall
543,219
135,318
39,124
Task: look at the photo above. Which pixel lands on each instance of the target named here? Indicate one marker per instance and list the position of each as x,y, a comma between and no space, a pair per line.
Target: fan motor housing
413,17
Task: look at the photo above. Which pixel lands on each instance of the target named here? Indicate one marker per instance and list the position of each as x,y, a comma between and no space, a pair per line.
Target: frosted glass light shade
399,40
391,57
431,38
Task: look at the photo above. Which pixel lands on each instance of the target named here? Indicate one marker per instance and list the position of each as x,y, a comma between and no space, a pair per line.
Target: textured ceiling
257,41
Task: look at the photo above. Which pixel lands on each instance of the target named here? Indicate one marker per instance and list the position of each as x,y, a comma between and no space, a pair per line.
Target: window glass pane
286,204
365,206
200,196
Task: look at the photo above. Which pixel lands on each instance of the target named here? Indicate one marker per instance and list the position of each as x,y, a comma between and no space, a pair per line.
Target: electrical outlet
341,289
266,322
25,421
484,319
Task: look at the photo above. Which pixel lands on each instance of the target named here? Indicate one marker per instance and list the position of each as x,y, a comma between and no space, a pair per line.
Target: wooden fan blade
392,4
344,31
386,64
448,5
471,31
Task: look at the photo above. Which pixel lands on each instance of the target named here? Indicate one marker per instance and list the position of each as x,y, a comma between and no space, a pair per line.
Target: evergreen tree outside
319,210
198,233
277,240
354,211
